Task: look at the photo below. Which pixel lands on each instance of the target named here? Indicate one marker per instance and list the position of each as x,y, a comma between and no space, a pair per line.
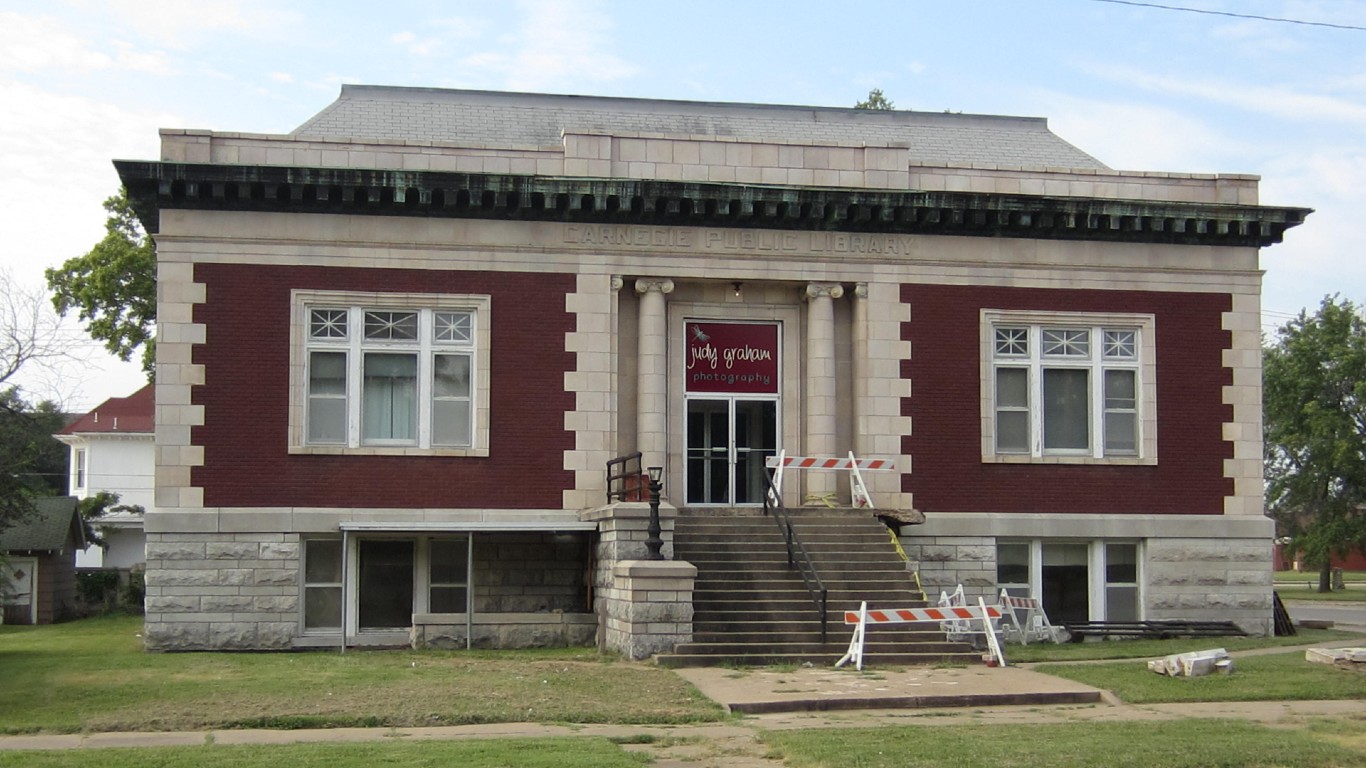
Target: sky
83,82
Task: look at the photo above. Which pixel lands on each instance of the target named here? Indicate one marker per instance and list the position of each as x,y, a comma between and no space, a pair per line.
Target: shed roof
53,525
537,119
119,415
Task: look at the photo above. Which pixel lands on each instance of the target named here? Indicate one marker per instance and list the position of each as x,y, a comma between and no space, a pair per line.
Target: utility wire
1235,15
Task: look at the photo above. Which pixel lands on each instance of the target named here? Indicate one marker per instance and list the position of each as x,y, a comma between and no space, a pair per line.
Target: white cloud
282,77
1281,102
33,44
1141,137
179,25
560,44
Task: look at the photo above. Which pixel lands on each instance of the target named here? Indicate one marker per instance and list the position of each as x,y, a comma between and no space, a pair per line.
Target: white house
113,449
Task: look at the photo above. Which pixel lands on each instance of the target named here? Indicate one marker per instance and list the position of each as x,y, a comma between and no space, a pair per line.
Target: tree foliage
1314,401
113,287
96,506
32,462
875,100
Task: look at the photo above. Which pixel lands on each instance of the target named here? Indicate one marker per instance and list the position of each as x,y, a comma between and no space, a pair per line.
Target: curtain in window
1066,409
389,398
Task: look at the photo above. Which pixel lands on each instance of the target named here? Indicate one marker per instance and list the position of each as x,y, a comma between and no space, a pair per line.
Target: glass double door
728,440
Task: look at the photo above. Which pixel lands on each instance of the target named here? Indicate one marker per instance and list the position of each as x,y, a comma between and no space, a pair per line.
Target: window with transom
1067,387
392,373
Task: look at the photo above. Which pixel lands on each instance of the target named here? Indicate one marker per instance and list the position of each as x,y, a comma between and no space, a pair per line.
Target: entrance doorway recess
729,439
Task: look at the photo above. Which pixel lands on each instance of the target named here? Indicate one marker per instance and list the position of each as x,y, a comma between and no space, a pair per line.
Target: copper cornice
156,186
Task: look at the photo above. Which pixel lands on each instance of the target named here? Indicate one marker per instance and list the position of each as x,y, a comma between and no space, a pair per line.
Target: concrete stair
750,607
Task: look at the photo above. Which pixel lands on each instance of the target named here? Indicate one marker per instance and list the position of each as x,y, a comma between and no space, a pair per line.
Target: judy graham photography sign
732,358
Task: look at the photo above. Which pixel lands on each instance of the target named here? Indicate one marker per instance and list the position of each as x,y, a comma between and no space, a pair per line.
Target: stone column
820,380
859,372
652,379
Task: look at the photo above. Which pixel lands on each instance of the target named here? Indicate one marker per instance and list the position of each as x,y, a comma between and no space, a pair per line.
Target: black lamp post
653,542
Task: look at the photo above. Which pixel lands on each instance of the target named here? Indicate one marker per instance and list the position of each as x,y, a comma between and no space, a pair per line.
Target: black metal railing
797,556
625,479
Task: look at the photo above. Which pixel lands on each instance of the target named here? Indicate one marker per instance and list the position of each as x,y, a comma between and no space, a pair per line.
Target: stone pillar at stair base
647,607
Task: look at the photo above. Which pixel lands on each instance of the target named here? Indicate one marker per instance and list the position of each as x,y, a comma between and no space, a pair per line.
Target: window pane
1065,342
1012,562
1121,603
327,397
1012,388
1066,409
1119,389
1012,432
1012,341
453,326
389,397
451,376
322,561
327,373
1121,412
447,600
451,422
327,323
322,607
1121,563
391,325
1121,345
449,561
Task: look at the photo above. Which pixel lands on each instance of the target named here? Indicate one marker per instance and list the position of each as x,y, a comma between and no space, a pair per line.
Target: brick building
398,346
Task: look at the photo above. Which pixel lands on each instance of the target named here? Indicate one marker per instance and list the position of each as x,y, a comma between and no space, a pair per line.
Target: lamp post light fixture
653,542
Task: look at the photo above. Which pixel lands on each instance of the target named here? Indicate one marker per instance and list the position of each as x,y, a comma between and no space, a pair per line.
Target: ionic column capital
824,290
617,283
656,285
860,290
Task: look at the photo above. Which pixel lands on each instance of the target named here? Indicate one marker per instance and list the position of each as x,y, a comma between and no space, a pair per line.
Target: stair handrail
797,556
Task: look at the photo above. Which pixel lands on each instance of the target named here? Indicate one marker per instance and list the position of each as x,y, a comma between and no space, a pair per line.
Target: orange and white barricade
863,618
1025,617
858,490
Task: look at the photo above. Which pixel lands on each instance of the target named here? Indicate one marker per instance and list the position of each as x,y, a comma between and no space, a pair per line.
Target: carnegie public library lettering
415,375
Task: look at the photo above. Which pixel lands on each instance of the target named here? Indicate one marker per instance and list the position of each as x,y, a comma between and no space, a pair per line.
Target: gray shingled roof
54,519
503,119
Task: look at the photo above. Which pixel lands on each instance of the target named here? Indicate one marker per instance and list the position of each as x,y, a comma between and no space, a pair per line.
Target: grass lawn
1176,744
499,753
1281,676
93,675
1149,649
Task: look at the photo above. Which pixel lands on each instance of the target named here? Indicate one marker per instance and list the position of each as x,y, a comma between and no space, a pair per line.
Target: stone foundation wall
221,591
520,572
504,630
1198,567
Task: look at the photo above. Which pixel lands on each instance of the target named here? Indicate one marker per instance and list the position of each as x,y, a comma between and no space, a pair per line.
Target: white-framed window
1068,387
322,584
78,469
1075,579
390,373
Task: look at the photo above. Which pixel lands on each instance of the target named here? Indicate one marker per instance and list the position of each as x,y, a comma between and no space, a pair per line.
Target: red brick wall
948,474
246,396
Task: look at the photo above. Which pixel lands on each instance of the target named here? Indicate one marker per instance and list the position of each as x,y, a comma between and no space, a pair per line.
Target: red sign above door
732,357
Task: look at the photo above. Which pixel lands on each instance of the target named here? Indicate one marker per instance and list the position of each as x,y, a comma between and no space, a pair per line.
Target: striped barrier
811,462
863,617
858,490
914,615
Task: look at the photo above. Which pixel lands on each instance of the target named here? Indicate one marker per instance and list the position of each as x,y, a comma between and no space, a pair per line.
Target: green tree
1314,403
875,101
96,506
113,287
32,462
